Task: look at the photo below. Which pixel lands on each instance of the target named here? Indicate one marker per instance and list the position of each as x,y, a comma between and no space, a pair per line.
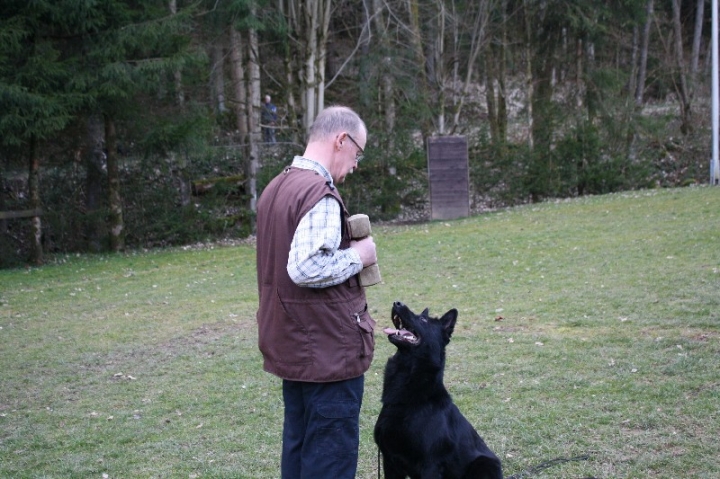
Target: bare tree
239,88
682,88
309,22
697,36
387,81
635,52
529,78
254,130
177,74
478,41
217,78
413,27
644,47
495,87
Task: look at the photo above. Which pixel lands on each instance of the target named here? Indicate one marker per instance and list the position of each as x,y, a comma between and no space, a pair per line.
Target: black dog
420,431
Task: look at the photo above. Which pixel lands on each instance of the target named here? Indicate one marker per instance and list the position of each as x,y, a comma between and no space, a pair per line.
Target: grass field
589,326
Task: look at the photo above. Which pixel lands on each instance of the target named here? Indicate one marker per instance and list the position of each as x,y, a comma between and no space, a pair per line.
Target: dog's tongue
390,331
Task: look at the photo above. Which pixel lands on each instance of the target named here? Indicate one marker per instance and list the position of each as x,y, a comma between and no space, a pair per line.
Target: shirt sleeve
315,260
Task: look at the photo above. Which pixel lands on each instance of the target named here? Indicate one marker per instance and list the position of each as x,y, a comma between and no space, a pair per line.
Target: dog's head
414,331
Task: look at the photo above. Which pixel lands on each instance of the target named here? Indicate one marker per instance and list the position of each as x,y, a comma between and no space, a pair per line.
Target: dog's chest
404,423
396,432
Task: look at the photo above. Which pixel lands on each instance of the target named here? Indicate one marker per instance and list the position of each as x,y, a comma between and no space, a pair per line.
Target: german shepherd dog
420,431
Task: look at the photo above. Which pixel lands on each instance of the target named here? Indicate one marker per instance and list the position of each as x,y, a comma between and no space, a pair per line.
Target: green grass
586,326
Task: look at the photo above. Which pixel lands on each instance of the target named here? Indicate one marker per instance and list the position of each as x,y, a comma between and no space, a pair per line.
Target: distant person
315,331
269,120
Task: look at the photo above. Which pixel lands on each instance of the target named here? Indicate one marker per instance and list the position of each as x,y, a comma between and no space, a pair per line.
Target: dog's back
420,431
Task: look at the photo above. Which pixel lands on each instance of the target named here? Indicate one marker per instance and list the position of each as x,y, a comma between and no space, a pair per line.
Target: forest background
136,124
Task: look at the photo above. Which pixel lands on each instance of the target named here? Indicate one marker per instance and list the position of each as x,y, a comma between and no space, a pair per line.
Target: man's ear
448,321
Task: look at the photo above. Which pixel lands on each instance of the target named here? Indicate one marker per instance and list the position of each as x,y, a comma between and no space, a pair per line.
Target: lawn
588,327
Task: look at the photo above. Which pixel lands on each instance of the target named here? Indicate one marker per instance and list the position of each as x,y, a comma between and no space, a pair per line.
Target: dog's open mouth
399,332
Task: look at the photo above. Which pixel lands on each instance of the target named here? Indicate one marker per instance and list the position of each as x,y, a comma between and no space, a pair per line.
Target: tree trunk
477,41
529,81
495,94
217,78
310,22
95,174
314,32
387,81
255,136
322,53
116,223
177,74
291,57
239,88
438,75
697,39
3,221
310,91
501,113
683,93
254,86
592,97
36,249
420,60
635,50
642,70
364,88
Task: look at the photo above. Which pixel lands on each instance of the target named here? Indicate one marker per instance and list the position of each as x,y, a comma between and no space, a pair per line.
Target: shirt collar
307,164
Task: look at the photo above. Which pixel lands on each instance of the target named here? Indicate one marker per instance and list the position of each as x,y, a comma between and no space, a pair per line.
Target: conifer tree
38,97
61,60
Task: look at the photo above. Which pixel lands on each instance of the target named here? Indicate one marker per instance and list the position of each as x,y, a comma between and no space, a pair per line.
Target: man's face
350,154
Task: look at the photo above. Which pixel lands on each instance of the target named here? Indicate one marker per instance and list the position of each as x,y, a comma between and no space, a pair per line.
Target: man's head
337,141
267,98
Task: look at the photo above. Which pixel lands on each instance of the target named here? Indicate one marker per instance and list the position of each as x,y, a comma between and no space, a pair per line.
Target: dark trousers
321,432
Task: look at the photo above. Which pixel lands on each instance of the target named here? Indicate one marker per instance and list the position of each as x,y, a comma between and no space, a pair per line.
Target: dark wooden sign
449,177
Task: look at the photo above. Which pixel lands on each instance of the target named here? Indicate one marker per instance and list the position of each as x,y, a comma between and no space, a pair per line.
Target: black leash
549,464
378,463
532,470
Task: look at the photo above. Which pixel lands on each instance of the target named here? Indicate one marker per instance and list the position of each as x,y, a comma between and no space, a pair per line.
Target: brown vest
306,334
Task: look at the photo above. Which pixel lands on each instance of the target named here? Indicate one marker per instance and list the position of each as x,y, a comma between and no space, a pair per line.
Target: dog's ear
448,321
425,313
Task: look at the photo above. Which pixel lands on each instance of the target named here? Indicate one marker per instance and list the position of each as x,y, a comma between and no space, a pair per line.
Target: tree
38,97
308,23
555,81
476,43
645,45
682,86
130,53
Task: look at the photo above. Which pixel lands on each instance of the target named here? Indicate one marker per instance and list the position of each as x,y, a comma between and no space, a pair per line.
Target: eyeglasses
361,153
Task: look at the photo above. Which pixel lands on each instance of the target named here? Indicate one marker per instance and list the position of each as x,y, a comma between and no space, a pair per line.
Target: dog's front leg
431,472
390,472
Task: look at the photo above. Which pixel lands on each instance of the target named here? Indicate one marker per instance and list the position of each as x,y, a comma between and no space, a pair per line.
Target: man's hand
366,249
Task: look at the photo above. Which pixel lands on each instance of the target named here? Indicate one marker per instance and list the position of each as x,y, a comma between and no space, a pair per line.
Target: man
268,117
315,331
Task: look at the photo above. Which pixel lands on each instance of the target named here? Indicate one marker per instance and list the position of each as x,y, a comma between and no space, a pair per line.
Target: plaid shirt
315,260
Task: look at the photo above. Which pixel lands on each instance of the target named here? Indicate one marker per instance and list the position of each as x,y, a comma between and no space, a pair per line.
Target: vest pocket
291,341
365,327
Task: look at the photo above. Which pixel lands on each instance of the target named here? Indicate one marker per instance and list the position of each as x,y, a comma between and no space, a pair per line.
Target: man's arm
315,260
